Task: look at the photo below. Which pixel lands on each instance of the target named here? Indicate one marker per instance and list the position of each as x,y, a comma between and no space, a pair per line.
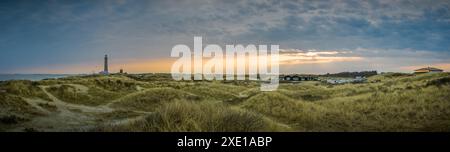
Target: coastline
32,77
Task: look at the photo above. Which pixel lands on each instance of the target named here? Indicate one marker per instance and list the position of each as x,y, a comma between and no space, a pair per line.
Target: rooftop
429,69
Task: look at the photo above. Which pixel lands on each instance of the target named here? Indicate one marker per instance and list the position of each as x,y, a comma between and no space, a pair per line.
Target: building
357,79
297,77
105,66
428,70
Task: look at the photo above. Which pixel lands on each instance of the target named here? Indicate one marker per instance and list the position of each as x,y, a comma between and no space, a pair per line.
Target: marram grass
153,102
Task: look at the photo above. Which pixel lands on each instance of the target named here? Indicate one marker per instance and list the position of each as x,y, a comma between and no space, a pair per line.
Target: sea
32,77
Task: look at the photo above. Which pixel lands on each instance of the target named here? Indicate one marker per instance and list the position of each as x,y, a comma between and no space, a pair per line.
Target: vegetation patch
11,119
152,99
48,107
23,88
16,105
390,102
439,81
273,104
93,97
196,116
118,114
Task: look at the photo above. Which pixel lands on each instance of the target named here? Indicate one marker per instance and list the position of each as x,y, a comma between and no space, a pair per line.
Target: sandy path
35,104
72,117
64,105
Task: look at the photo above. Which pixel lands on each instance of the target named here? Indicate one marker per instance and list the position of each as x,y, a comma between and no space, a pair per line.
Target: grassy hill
153,102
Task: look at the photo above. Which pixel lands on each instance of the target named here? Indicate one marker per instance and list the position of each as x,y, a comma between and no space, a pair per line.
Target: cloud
360,59
295,56
373,34
291,61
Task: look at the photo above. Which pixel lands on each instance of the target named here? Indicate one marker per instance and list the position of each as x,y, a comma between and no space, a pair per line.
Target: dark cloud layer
45,33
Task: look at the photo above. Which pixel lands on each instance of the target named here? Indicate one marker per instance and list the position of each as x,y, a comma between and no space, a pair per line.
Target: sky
320,36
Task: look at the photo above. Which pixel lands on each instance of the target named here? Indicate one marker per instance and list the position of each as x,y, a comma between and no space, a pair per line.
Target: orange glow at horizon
164,65
129,66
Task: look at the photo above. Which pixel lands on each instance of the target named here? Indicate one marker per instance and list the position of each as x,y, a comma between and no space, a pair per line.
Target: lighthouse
105,66
105,69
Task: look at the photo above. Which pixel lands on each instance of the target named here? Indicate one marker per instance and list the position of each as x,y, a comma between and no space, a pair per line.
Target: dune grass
15,110
196,116
398,102
23,88
388,102
93,97
153,98
11,104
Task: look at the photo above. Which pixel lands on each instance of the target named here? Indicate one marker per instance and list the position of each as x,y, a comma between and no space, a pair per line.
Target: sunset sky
314,36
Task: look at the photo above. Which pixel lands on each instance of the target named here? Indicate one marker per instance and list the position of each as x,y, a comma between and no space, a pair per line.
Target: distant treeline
352,74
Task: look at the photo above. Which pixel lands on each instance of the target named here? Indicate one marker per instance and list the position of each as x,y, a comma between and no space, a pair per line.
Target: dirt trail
35,104
127,121
83,108
63,118
69,116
